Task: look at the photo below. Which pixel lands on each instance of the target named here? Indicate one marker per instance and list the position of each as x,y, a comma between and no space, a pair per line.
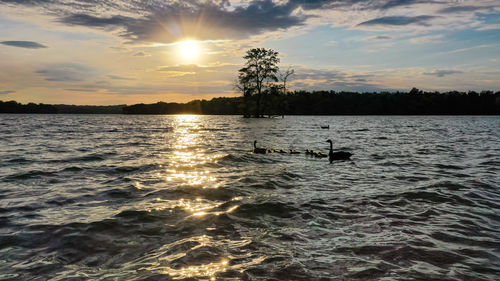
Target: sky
102,52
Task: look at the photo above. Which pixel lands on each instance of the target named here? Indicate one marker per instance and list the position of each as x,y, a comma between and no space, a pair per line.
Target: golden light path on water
208,270
187,158
184,159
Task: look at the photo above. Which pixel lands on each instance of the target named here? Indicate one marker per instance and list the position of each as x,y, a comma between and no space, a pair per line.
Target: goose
320,155
293,151
309,152
281,151
325,127
256,149
339,155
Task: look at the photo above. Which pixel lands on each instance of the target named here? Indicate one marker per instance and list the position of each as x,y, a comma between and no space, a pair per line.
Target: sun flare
189,49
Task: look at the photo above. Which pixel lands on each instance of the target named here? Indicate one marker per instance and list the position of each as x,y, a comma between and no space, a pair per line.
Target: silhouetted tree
284,77
260,68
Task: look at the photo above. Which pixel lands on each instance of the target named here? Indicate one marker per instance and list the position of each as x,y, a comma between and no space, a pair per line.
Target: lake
114,197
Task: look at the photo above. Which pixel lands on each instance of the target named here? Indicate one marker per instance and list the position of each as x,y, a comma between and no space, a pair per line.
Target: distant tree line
15,107
90,109
414,102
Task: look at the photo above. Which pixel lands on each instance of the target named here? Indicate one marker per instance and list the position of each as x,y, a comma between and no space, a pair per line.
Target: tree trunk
256,111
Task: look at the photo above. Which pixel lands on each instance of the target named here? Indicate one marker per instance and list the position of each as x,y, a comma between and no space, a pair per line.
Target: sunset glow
189,50
121,52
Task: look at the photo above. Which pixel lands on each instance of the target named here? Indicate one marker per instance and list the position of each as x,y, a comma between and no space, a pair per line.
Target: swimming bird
325,127
339,155
256,149
309,152
320,155
293,151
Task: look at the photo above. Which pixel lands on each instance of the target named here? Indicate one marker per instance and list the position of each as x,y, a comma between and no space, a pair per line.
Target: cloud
459,9
142,54
313,79
161,21
168,22
489,27
426,39
200,68
399,21
378,38
397,3
171,74
6,92
116,77
120,49
82,90
205,73
24,44
471,48
442,72
66,72
92,21
382,37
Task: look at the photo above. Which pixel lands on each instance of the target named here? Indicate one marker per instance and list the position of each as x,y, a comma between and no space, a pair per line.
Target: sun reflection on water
209,269
193,178
189,156
190,166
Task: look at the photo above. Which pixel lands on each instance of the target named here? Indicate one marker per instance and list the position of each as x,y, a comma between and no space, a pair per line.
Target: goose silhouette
339,155
256,149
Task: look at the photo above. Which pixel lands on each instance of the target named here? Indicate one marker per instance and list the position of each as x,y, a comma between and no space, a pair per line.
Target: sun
189,49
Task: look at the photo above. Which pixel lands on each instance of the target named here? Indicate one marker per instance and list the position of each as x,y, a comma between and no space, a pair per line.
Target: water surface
110,197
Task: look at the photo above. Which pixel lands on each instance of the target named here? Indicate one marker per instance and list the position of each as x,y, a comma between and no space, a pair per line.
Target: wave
276,209
29,175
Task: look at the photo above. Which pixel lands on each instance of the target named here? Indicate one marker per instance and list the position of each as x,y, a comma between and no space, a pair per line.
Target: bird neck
331,146
254,144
